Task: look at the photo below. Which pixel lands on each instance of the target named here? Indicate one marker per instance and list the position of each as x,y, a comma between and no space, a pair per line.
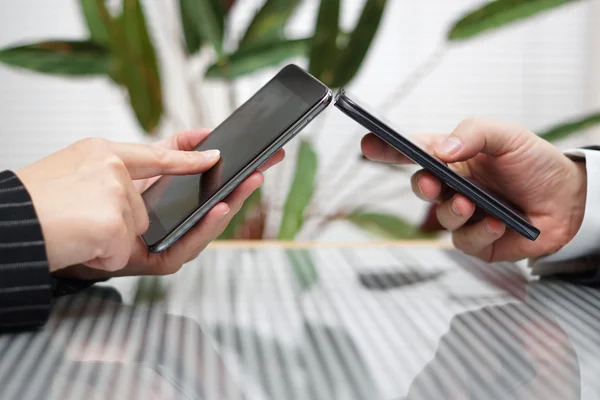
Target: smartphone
484,200
246,139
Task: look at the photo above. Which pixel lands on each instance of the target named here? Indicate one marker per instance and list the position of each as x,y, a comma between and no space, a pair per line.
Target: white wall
536,73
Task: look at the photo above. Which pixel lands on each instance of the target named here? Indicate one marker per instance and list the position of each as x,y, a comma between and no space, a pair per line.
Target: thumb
474,136
145,161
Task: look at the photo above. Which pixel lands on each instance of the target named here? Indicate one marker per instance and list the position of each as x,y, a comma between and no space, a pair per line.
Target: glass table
306,321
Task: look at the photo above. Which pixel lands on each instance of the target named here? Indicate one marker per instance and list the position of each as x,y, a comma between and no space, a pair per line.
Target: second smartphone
252,134
480,197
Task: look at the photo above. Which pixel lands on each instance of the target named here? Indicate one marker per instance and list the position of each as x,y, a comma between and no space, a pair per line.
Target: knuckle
117,193
558,238
457,241
93,145
444,216
464,243
469,127
114,163
168,267
113,242
470,123
161,156
114,227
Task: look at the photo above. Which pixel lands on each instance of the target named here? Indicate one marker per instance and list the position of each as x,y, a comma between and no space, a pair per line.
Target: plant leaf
136,64
388,226
96,26
251,59
269,22
352,57
324,42
497,14
64,58
205,19
303,268
193,39
300,192
570,127
249,206
195,30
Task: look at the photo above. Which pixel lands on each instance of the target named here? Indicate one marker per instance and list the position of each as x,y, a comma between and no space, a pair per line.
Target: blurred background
70,70
139,70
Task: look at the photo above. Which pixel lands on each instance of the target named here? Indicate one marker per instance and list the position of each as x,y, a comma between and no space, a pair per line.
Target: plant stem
418,75
199,115
231,95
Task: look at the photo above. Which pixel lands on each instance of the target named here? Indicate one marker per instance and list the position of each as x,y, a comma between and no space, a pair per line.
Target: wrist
578,179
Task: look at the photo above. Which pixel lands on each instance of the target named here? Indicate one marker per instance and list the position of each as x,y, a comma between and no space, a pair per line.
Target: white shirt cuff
587,239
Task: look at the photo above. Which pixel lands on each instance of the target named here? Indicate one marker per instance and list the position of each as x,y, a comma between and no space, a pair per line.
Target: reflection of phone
462,185
252,134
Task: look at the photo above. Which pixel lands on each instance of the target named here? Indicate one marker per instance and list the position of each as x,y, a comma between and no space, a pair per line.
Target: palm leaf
497,14
248,60
351,58
136,61
324,43
202,21
388,226
96,26
300,192
269,23
566,129
64,58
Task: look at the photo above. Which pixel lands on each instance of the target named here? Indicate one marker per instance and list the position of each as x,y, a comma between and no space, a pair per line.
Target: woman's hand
89,204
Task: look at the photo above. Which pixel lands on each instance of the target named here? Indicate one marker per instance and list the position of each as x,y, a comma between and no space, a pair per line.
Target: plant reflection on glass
285,362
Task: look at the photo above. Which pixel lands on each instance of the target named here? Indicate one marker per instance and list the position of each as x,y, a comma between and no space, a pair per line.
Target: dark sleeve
26,286
25,282
589,278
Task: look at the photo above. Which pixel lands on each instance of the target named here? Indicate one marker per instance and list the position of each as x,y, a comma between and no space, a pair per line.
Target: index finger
376,149
146,161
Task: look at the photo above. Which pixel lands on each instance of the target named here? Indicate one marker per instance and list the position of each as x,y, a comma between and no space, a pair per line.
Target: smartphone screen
241,138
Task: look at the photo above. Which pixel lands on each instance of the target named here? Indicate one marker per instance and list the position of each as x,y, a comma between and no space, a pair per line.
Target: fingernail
489,228
419,188
450,146
212,154
454,208
225,213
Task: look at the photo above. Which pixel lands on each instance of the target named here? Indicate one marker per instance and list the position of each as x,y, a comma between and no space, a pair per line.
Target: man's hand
89,204
511,162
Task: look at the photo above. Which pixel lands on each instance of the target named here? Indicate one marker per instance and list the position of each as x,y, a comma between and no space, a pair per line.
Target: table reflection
539,345
502,352
96,347
316,323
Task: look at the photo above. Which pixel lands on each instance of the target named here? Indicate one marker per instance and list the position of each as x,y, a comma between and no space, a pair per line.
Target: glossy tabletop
389,321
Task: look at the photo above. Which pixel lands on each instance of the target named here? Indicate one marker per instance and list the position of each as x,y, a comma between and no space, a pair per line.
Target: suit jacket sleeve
579,260
26,286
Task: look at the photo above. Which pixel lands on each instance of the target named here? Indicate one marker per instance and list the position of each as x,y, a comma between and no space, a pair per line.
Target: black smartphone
479,196
246,139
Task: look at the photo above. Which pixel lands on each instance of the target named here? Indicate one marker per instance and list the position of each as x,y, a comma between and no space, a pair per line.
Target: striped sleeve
25,283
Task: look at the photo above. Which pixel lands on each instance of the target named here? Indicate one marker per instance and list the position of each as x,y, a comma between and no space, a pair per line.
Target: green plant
502,13
121,49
